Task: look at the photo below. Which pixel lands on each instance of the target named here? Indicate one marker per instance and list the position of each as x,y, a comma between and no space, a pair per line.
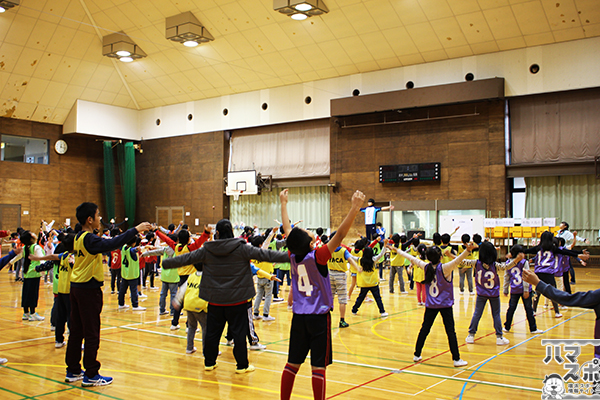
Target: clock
61,146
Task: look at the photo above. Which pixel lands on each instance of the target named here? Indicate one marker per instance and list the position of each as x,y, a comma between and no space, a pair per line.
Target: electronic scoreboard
409,173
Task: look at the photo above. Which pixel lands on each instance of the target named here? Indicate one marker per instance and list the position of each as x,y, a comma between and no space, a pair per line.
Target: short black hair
515,250
319,231
84,211
465,238
183,237
184,226
298,243
171,227
445,238
477,238
371,201
379,224
561,241
566,224
437,239
257,241
396,239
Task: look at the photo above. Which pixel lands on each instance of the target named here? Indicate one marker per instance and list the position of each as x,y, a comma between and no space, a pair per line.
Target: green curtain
126,156
109,181
575,199
309,204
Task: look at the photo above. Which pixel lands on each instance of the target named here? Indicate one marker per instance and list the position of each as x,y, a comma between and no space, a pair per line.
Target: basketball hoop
236,194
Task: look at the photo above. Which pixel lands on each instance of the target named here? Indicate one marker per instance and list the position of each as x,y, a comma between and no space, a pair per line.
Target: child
487,283
87,279
31,278
419,276
519,289
63,266
546,263
264,286
130,273
338,276
368,281
440,298
194,307
356,252
397,262
169,278
115,266
465,271
3,262
312,299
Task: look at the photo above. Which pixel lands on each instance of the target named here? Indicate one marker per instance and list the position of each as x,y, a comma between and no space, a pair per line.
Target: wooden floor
372,358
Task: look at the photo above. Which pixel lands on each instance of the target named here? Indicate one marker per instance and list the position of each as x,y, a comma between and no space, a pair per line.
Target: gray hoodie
226,274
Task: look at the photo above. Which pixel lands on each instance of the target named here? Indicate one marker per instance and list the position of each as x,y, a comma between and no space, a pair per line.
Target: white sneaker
256,317
537,331
505,330
559,315
138,308
290,308
564,307
404,292
174,327
470,339
257,346
417,359
545,305
142,296
124,307
502,341
383,315
354,313
191,351
26,317
472,293
268,318
460,363
278,299
3,360
36,317
52,328
230,342
58,345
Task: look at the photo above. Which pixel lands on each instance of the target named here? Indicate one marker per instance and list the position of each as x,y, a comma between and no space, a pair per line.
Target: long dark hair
546,241
434,255
366,261
26,238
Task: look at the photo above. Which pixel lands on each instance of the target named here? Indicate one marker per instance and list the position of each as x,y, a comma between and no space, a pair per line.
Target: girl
130,271
419,276
519,289
466,271
487,283
368,280
546,263
440,298
397,262
31,278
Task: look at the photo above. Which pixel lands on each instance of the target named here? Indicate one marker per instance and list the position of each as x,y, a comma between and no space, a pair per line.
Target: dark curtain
109,181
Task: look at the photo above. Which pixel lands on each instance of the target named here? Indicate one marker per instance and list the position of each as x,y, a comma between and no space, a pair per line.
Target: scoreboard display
409,173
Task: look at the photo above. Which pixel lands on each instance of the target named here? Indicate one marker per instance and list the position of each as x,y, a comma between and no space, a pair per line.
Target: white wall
564,66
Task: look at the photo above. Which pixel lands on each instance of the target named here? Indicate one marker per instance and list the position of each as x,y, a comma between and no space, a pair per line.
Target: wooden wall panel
53,191
183,171
471,150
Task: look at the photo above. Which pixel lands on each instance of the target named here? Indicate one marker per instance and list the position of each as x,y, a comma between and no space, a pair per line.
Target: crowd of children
314,268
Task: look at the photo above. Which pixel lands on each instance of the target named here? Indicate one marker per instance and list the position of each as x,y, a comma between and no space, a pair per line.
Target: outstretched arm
589,299
358,198
283,197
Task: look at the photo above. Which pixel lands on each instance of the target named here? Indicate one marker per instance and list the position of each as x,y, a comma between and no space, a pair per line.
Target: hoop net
236,194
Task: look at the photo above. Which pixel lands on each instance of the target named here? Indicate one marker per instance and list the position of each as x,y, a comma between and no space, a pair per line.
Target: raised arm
358,198
450,266
267,241
414,260
166,239
200,241
193,257
283,197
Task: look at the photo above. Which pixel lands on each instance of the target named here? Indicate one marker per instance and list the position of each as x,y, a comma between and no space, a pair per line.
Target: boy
87,279
338,276
312,299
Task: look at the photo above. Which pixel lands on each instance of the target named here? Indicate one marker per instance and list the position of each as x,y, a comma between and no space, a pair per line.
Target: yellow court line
233,385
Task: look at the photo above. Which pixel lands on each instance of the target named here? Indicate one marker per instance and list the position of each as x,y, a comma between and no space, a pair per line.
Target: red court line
427,359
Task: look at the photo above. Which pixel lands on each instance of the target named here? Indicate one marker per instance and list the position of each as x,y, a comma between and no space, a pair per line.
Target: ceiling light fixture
185,28
7,4
300,9
122,47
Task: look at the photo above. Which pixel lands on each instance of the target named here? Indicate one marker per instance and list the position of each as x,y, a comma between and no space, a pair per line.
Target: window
24,149
419,220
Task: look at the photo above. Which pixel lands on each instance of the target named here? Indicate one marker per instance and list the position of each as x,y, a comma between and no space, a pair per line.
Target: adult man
371,218
227,286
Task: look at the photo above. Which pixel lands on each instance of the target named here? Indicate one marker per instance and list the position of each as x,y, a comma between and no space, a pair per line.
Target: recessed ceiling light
190,43
126,59
123,53
299,17
303,7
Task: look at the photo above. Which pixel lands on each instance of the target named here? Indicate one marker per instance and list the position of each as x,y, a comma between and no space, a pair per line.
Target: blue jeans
162,302
479,307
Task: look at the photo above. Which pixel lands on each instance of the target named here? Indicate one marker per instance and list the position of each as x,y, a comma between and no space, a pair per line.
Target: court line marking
513,347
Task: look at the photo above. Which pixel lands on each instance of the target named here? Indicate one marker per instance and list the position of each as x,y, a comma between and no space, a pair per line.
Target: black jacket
226,274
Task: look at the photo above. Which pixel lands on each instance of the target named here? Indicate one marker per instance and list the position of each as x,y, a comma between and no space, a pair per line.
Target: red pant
421,292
